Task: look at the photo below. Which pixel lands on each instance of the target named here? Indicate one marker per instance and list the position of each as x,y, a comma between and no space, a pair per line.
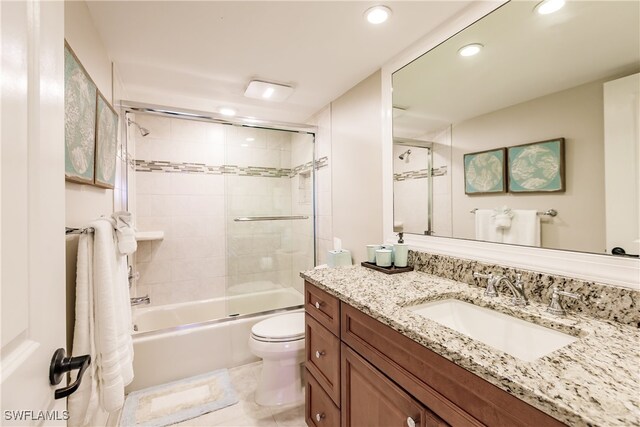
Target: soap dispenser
400,252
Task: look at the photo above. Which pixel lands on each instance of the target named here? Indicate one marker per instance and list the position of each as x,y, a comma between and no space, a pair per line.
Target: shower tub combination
176,341
265,201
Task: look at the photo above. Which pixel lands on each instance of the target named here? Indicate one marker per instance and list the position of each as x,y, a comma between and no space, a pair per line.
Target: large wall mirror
533,139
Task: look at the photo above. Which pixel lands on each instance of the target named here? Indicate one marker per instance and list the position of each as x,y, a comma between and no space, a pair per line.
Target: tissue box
339,258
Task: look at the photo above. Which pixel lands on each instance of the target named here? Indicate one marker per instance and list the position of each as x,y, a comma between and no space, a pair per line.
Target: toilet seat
283,328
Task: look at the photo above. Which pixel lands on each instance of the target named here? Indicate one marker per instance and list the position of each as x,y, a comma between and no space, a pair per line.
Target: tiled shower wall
189,263
411,189
261,254
192,180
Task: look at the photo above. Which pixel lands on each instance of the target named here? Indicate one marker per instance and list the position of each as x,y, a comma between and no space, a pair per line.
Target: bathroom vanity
373,360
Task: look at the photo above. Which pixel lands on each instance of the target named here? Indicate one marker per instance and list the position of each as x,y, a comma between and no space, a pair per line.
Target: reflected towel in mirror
485,227
524,230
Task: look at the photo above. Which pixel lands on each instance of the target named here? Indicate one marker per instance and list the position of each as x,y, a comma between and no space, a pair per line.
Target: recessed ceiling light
227,111
377,14
470,49
266,90
250,139
549,6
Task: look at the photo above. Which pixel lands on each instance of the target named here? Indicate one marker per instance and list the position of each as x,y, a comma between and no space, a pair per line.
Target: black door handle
621,252
60,364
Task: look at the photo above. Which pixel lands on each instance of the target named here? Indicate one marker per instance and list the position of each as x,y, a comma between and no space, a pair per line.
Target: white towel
485,228
83,404
103,324
125,232
525,228
502,217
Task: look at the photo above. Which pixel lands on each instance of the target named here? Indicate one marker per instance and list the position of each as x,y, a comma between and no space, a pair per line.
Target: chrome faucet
145,300
516,287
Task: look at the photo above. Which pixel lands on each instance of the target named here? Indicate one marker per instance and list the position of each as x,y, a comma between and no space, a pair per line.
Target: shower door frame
428,145
203,116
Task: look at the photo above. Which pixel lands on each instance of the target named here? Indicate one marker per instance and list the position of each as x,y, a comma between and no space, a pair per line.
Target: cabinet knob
320,417
318,304
410,422
319,354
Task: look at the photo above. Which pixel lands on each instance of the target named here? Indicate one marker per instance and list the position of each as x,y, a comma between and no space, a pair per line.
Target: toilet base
280,383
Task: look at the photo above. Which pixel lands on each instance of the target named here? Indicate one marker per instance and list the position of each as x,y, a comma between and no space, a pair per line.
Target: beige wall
356,158
85,202
575,114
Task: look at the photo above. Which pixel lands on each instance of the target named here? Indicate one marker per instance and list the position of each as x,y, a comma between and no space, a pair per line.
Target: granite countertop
593,381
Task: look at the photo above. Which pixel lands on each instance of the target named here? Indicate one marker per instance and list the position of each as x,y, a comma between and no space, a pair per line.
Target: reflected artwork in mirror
544,116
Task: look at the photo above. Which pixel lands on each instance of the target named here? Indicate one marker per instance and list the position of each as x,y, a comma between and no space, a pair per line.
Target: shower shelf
142,236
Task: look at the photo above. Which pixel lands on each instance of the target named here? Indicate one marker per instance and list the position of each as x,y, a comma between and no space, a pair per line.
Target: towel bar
270,218
71,230
550,212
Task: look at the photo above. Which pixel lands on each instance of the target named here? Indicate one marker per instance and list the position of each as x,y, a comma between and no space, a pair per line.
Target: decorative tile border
200,168
420,174
607,302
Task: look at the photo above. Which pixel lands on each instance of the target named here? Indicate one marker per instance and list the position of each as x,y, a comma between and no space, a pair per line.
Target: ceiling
525,56
201,55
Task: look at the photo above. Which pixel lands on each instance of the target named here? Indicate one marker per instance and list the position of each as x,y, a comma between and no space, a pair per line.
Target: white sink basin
521,339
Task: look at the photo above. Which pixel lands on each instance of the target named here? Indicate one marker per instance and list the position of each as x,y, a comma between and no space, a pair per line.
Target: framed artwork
537,167
106,143
485,172
79,120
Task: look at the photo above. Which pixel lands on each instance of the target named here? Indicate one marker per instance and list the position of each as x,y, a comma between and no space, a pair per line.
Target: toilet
279,341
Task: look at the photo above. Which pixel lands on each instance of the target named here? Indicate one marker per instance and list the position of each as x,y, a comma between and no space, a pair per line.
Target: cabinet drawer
323,357
325,308
319,408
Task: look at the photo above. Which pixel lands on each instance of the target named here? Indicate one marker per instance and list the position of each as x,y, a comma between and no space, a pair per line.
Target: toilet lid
286,327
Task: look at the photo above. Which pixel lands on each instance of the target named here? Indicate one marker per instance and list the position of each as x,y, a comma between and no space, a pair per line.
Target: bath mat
178,401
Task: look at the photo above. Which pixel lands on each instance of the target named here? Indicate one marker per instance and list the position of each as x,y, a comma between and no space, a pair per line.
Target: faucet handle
483,276
555,307
490,291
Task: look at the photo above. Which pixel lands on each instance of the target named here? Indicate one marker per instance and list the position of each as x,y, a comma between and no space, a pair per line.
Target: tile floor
246,413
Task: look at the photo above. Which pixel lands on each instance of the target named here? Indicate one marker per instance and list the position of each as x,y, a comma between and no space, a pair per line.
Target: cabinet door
369,399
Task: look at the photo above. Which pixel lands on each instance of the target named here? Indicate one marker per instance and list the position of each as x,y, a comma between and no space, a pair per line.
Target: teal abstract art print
79,120
537,167
106,144
484,172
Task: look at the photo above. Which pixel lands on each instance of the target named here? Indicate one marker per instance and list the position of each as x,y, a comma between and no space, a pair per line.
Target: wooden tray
386,270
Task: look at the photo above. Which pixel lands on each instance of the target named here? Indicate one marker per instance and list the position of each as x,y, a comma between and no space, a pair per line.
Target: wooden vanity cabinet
370,375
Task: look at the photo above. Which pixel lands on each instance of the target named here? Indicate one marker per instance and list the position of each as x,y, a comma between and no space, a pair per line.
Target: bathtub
176,341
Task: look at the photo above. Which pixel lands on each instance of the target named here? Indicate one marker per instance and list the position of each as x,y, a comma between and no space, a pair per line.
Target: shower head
405,155
143,131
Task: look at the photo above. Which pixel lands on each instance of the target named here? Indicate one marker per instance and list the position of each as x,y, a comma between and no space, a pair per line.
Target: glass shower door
269,218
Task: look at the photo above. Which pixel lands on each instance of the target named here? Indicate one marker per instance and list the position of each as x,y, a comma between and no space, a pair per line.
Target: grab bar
269,218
